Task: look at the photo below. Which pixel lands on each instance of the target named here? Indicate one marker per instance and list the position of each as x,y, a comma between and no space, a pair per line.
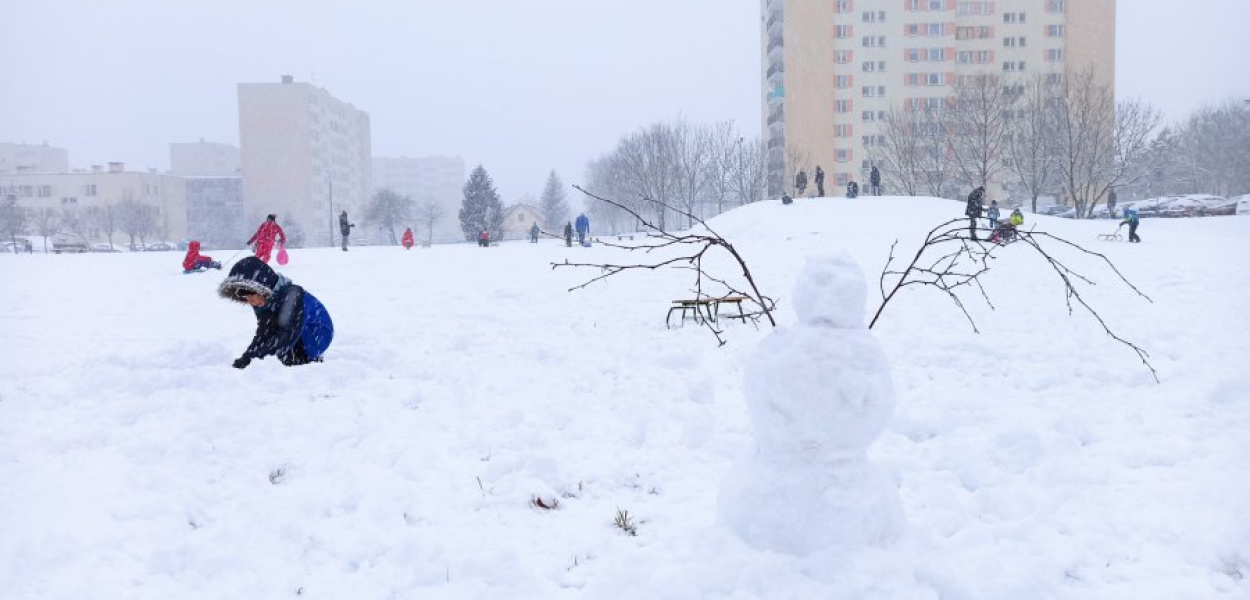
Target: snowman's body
819,393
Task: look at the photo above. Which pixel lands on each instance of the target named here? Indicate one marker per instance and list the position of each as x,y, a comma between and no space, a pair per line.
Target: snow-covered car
68,244
20,246
160,247
1243,204
104,247
1053,210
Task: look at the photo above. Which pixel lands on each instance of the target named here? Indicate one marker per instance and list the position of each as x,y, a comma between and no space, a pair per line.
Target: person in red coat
195,261
483,239
407,240
265,235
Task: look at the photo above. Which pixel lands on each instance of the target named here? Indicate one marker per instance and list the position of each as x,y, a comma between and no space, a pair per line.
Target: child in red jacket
195,261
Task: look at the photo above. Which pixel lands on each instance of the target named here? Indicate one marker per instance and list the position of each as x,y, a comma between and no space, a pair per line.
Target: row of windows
982,32
45,191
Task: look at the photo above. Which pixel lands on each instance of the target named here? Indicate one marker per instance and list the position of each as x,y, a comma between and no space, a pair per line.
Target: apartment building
75,198
198,159
439,179
833,69
305,155
33,158
214,190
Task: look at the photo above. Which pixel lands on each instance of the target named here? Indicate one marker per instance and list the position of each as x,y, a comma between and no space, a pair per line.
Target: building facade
305,155
78,201
437,179
197,159
518,219
31,158
833,69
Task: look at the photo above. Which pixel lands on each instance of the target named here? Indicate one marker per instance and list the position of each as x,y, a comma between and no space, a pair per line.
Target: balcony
774,68
776,94
774,21
776,115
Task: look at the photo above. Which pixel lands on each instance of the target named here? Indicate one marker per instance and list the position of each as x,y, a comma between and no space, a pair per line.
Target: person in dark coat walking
820,182
534,234
345,228
291,323
874,179
800,181
568,234
974,209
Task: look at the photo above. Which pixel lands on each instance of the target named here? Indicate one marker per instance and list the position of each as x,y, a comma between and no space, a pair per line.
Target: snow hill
1037,459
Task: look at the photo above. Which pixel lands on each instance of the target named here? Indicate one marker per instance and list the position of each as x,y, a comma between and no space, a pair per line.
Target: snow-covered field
1037,459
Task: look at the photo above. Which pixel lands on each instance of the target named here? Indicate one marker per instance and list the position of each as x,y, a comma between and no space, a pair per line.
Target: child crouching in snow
194,261
290,323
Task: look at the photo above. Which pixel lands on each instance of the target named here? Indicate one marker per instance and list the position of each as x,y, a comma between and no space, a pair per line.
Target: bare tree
103,219
954,264
647,158
977,127
797,161
46,223
12,219
900,154
134,218
1100,144
750,174
389,210
695,245
1031,142
1214,149
429,212
723,142
693,152
604,176
73,223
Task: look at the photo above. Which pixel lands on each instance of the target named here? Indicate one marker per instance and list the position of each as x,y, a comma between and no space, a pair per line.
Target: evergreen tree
555,208
482,208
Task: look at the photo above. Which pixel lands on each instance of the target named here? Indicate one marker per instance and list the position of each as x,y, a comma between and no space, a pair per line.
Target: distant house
517,220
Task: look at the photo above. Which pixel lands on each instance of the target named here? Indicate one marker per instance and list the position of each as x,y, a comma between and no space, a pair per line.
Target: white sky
522,86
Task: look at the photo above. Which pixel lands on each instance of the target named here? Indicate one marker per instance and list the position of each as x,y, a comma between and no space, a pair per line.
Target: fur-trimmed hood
253,275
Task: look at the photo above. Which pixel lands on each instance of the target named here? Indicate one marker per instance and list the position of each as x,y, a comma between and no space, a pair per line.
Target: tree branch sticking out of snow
698,245
951,261
625,522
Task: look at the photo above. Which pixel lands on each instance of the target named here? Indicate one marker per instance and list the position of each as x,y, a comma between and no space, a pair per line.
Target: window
874,42
1054,6
69,201
1054,30
975,8
842,131
874,66
974,33
1054,55
868,115
45,191
1009,42
1054,78
89,189
842,31
842,56
937,54
843,155
1013,17
842,106
842,81
873,91
877,16
843,6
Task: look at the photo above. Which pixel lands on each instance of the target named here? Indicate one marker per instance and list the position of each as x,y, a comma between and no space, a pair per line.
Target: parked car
18,247
64,243
161,247
1243,204
103,247
1053,210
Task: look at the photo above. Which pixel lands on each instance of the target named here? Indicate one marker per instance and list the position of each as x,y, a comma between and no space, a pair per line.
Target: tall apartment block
833,69
438,179
305,155
214,190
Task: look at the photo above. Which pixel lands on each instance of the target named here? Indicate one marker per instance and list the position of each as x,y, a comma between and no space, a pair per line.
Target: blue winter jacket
583,224
292,325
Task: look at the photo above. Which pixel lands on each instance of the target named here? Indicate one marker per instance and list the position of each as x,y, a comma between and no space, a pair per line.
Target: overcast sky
521,86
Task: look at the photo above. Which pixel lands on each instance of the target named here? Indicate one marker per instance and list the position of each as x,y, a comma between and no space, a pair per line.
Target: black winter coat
974,202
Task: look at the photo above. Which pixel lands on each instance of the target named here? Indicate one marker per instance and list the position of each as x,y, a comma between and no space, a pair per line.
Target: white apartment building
198,159
833,69
74,196
431,178
32,158
305,156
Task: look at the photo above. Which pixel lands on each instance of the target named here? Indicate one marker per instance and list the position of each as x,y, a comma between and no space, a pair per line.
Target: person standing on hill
820,182
534,233
800,181
345,228
874,180
973,211
1111,204
265,236
568,234
408,240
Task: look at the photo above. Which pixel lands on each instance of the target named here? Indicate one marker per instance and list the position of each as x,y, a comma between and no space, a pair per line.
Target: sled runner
1112,237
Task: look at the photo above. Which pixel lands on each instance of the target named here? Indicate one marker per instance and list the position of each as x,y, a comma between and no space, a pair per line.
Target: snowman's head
831,292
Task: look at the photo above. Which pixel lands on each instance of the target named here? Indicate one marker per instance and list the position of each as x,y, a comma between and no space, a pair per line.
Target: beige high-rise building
305,156
833,69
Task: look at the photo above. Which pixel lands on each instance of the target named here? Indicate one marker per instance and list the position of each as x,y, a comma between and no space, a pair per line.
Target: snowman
819,393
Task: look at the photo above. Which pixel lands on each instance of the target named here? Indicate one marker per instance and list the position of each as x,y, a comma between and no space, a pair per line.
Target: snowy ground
1038,459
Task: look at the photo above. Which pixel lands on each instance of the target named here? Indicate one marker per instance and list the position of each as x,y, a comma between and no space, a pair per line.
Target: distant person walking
800,182
534,234
266,235
973,211
568,234
1130,219
820,182
408,240
345,228
874,179
583,228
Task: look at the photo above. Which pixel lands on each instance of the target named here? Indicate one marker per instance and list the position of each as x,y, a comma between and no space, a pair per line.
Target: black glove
242,362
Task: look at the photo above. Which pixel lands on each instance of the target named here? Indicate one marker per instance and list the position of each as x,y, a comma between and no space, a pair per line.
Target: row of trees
389,211
1044,135
701,169
1209,152
135,219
